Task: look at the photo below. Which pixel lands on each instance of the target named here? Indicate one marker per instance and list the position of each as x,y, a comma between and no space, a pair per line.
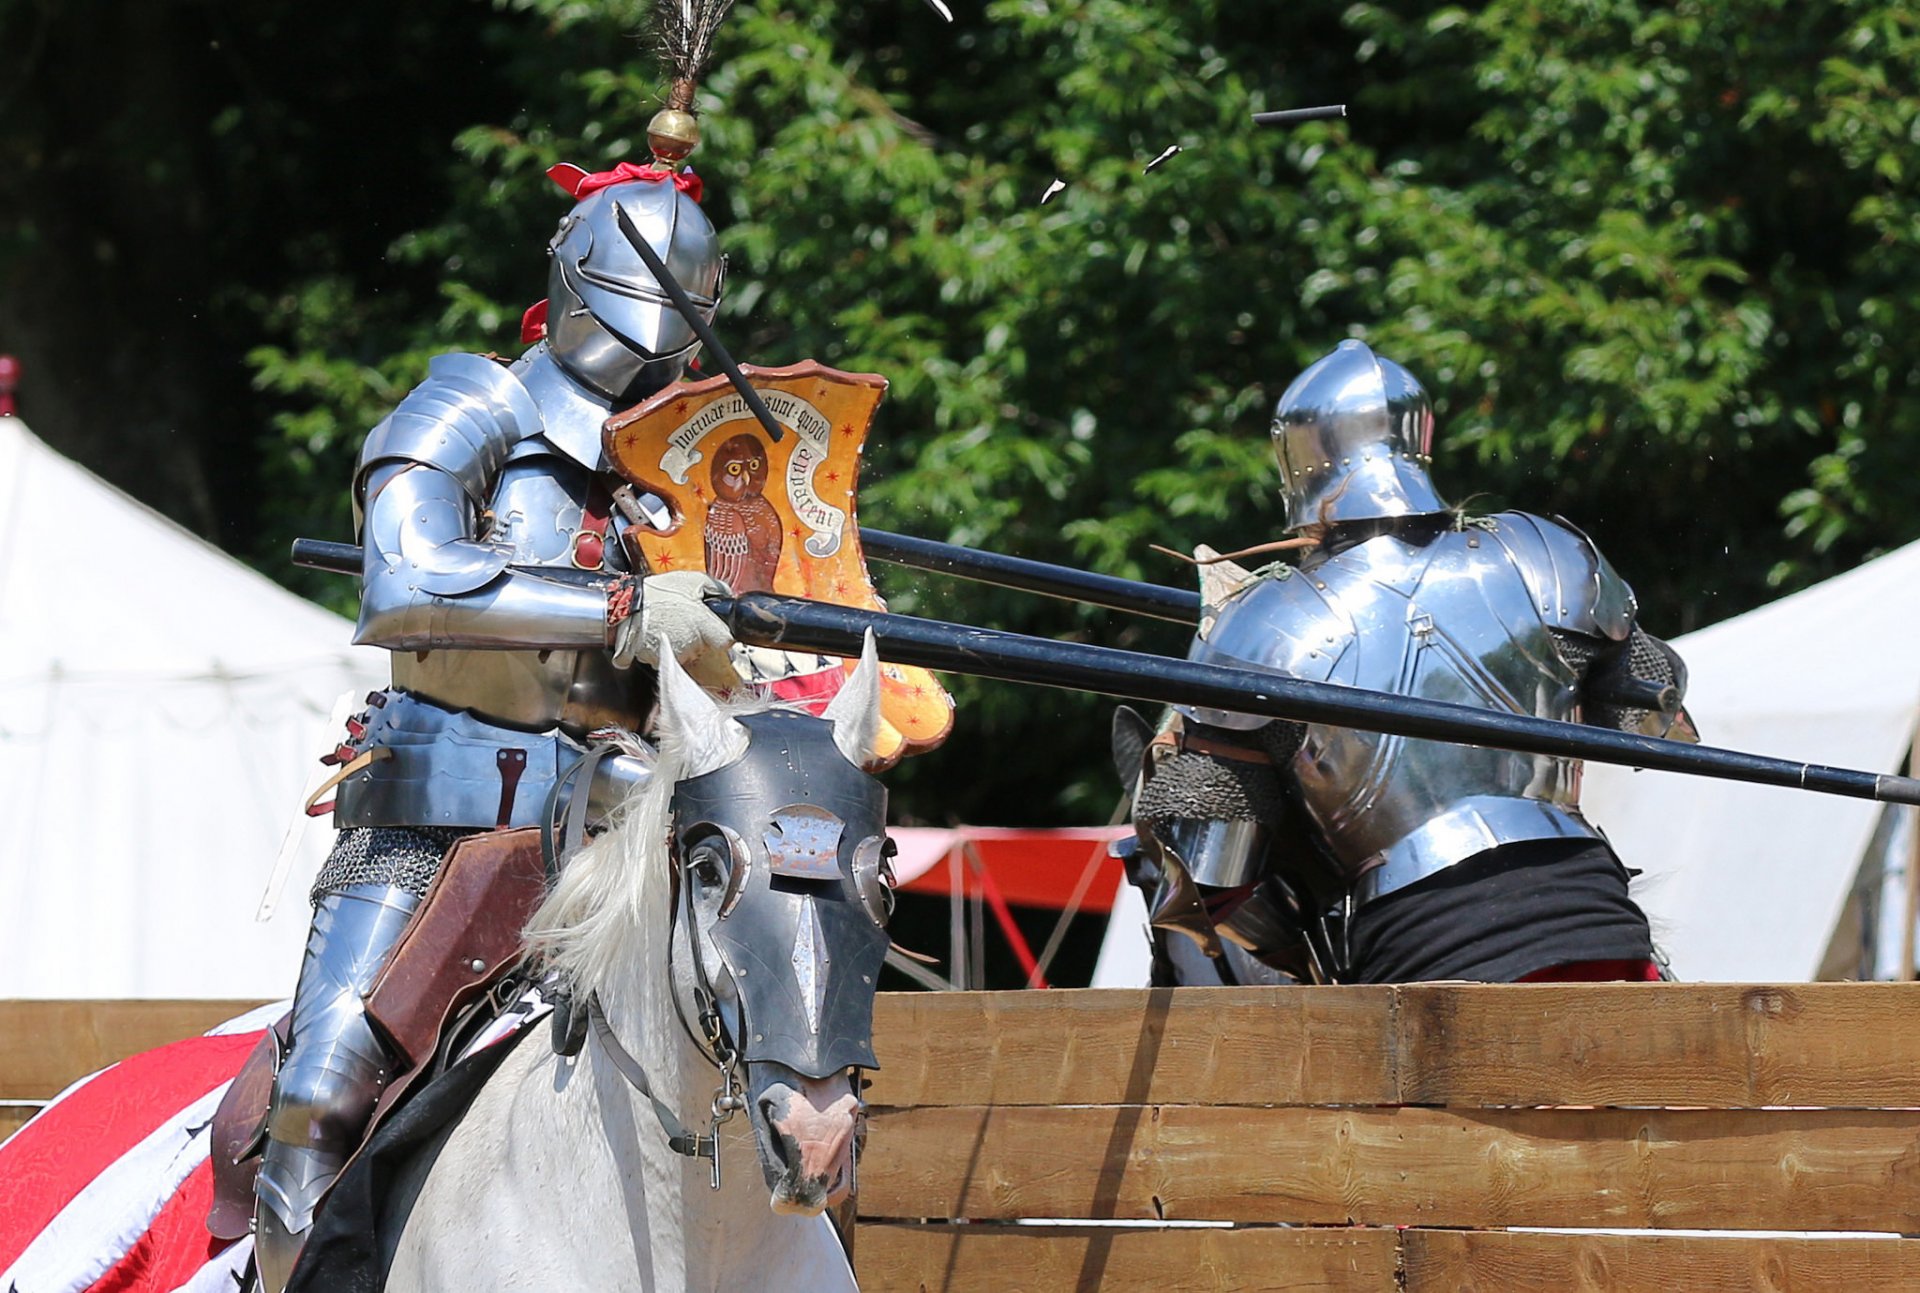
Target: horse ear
854,710
685,707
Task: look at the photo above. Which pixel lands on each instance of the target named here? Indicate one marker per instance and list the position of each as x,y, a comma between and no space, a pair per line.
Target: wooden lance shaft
770,620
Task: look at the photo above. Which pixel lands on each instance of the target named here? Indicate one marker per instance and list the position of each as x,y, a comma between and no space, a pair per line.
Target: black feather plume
683,34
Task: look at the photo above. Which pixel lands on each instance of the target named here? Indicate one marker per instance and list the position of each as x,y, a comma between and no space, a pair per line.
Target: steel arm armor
1575,588
431,579
1591,612
430,583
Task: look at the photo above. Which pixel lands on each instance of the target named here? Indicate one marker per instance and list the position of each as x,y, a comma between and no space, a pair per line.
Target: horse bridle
717,1049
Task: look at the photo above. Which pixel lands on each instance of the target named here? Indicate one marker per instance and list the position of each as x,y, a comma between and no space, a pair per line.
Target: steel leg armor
334,1068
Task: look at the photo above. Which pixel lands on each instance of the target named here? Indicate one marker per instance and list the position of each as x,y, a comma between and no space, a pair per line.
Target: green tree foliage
1657,261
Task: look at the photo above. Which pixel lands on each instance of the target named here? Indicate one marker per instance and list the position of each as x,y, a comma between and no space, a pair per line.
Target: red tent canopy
1030,868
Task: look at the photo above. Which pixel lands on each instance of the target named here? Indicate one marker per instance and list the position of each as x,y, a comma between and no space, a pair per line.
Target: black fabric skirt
1502,915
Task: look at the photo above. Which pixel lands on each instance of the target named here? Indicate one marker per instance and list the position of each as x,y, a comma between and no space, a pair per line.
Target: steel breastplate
1450,620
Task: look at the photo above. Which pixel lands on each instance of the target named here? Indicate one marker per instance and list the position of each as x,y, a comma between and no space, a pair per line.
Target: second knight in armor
482,498
1350,855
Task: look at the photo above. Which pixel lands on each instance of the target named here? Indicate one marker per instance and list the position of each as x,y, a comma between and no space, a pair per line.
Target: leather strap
314,808
679,1139
555,850
512,763
1221,749
590,540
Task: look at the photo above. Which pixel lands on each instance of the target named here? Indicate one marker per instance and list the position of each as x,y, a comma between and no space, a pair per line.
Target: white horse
560,1176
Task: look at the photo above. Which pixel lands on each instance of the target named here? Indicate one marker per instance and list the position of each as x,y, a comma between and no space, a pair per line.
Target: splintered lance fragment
938,7
1166,156
1054,190
1295,116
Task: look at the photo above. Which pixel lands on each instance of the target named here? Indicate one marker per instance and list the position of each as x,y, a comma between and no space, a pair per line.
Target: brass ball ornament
673,135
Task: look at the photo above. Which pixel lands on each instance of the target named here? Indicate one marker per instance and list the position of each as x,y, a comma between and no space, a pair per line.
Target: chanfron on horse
729,933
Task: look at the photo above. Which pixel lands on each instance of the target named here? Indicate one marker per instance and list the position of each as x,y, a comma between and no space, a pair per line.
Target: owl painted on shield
743,532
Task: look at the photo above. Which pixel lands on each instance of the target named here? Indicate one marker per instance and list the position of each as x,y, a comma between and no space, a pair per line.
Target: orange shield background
774,517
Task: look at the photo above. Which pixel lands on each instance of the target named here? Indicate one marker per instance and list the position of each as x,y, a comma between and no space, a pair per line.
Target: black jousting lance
770,620
1111,591
1156,601
1299,116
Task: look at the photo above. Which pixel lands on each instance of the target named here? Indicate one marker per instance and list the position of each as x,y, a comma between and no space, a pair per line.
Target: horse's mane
615,890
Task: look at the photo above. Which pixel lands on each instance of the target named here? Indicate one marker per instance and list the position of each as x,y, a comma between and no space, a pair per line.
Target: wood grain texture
46,1045
1495,1262
1723,1046
1729,1046
1656,1169
993,1258
1053,1259
1187,1046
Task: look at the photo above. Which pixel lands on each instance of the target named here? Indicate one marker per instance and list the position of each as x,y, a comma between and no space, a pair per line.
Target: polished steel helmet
1354,435
609,323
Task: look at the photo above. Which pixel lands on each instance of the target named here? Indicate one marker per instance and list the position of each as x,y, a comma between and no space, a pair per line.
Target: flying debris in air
1054,190
1299,116
939,7
1164,157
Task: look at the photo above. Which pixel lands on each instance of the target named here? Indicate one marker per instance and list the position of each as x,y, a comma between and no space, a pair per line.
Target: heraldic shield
777,517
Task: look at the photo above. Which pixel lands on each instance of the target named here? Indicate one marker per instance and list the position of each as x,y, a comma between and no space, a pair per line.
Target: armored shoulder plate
464,420
571,416
1283,623
1575,588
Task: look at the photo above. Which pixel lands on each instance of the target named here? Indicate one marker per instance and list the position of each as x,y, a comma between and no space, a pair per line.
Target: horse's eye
708,865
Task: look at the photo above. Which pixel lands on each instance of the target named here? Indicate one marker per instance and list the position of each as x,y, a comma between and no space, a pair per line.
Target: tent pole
1912,886
957,919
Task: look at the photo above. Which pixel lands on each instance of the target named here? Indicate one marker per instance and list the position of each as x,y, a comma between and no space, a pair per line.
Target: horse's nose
815,1119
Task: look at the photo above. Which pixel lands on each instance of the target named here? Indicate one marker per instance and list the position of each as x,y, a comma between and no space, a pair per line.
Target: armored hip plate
447,768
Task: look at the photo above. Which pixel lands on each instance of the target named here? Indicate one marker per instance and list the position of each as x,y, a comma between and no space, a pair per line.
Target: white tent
1747,883
161,709
1744,882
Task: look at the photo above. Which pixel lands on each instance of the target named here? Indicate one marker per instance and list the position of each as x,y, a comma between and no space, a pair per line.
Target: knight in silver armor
1350,831
477,498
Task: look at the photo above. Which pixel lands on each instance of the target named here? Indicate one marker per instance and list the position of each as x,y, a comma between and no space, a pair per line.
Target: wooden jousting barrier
1339,1139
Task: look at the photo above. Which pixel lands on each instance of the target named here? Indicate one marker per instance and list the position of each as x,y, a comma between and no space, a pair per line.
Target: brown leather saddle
463,940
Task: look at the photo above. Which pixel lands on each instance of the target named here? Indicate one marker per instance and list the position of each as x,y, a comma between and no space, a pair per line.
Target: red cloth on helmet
533,324
578,182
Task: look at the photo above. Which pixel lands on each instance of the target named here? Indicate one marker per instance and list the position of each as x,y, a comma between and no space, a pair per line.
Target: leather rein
716,1048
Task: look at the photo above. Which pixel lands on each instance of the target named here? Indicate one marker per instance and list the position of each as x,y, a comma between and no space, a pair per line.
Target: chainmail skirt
401,857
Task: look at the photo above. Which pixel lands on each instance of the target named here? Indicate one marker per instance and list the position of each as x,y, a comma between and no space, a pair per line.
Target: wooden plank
46,1045
1465,1261
1839,1045
941,1258
1191,1045
1655,1169
14,1116
1725,1046
962,1259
